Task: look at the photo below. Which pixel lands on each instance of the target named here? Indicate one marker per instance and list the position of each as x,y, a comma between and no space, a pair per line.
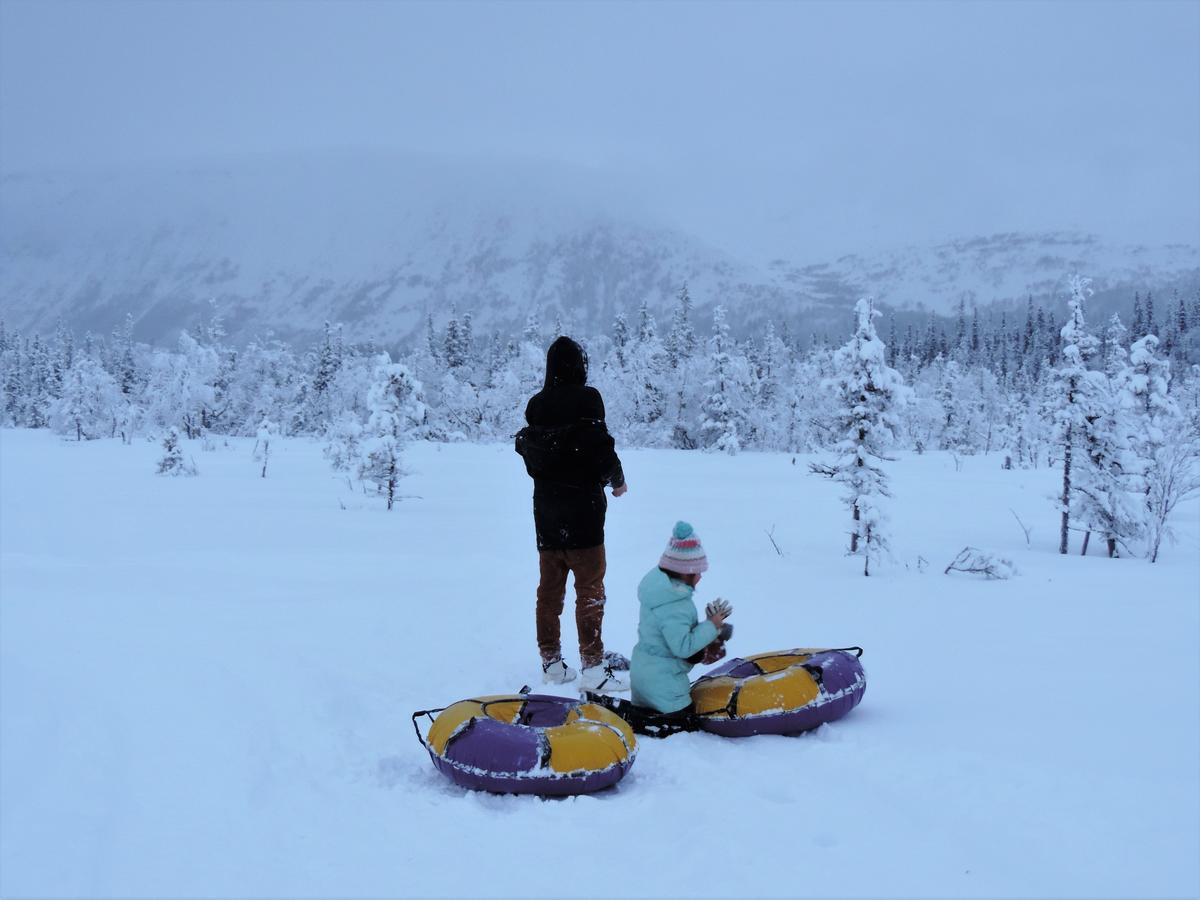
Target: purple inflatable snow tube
530,744
787,692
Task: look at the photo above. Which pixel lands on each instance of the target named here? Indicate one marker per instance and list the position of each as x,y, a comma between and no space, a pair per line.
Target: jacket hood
566,363
657,589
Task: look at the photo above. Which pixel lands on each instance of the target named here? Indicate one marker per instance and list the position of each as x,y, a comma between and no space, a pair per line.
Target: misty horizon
798,131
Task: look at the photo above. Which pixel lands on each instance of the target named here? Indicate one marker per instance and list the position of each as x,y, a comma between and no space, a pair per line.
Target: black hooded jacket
569,453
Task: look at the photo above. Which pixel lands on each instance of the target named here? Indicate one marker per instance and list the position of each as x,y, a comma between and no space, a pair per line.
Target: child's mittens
714,652
720,607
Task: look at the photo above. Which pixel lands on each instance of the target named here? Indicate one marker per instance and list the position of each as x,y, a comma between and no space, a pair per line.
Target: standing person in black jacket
569,453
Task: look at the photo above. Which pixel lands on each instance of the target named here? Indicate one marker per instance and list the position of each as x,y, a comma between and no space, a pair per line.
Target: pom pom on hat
684,553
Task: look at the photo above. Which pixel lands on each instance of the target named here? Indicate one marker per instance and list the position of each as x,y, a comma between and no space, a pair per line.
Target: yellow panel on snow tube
531,744
779,693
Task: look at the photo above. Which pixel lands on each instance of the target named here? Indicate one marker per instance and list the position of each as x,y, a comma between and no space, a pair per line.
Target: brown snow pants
588,566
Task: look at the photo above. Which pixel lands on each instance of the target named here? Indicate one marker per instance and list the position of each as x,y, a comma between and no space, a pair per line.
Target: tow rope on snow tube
528,744
785,692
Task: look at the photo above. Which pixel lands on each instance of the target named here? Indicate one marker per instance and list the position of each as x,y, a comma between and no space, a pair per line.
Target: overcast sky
793,128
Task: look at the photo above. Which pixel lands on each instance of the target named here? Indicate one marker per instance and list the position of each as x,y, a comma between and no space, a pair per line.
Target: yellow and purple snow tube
786,692
529,744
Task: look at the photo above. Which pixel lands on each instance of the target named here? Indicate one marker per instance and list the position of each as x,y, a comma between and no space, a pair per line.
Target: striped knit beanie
684,553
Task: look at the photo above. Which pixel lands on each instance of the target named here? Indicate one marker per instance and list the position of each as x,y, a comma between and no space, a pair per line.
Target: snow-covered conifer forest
1116,407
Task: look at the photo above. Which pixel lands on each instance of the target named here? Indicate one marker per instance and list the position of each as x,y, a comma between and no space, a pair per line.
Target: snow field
205,685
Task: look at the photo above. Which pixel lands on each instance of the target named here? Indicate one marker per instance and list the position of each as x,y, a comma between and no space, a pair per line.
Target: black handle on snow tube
858,652
483,705
417,728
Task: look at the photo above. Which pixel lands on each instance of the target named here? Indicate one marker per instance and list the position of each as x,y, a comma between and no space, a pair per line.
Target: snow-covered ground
205,686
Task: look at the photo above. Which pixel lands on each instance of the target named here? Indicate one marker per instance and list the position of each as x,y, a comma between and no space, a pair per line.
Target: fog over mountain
283,243
371,162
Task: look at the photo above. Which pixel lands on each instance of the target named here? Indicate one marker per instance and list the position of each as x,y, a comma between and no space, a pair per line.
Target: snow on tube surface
529,744
785,692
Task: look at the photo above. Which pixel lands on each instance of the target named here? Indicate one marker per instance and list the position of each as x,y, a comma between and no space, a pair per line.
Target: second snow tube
786,692
529,744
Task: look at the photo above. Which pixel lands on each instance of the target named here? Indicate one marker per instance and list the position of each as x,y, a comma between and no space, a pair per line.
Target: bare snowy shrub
267,431
1172,474
974,561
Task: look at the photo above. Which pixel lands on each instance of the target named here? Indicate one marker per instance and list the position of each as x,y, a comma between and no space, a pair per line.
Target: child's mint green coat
668,633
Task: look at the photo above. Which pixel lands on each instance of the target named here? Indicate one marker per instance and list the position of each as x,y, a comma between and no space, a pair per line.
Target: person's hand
720,606
717,618
618,491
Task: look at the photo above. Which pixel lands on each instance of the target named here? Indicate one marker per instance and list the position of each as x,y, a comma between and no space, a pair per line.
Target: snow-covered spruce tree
620,341
209,357
1076,387
987,409
124,361
91,401
172,461
868,393
38,396
923,417
1147,382
1172,476
462,408
396,405
532,332
523,378
718,423
956,411
681,342
342,445
62,357
645,383
466,336
1024,429
499,413
768,415
326,365
181,386
1166,445
267,382
1103,476
680,346
455,349
12,407
495,358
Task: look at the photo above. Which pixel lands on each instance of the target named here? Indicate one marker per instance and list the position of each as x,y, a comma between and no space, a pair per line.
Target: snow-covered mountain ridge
378,243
